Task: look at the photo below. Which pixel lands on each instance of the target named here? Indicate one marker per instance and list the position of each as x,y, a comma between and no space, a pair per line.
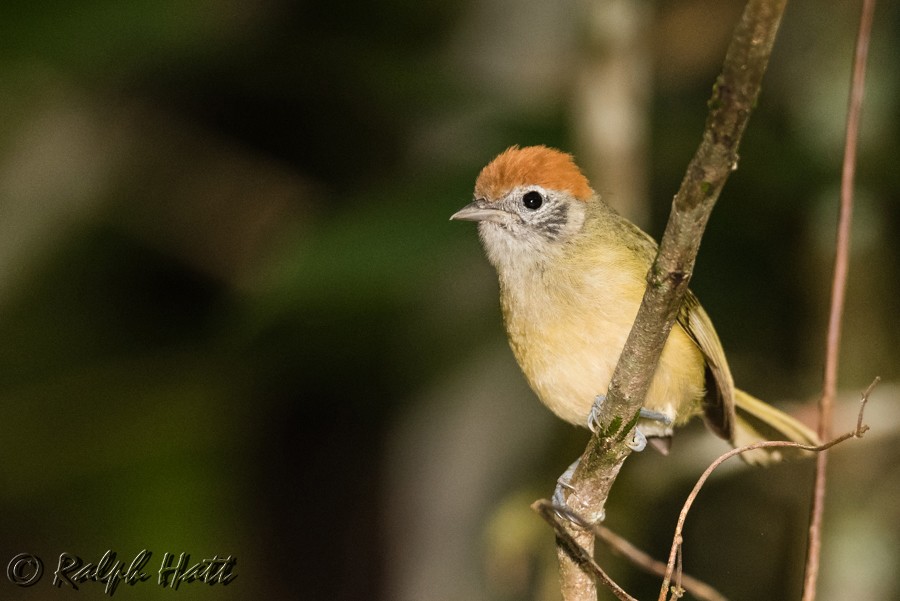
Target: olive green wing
718,404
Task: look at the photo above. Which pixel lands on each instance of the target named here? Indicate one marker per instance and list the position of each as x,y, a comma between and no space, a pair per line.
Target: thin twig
860,430
618,544
838,293
579,554
552,514
677,590
864,398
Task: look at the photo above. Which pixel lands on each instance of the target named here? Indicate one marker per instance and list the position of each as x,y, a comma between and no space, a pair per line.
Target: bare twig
678,590
578,554
864,398
552,514
860,430
734,96
838,291
617,544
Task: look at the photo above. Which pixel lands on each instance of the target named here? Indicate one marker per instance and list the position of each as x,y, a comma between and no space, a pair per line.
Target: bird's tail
758,421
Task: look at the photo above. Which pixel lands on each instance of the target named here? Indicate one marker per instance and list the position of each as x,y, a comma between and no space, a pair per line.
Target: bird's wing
718,405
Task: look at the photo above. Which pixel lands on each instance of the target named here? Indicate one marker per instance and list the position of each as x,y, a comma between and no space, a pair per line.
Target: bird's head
528,203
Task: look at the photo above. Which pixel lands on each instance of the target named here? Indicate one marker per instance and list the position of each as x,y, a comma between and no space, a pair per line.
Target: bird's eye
532,200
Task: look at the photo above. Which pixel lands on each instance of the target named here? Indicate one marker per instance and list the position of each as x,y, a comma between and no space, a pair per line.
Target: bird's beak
479,211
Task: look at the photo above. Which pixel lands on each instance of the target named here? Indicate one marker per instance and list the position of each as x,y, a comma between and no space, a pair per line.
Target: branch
576,552
677,541
734,96
697,588
582,557
556,517
838,290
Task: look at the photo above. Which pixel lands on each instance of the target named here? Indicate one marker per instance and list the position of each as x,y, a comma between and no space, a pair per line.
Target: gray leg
656,416
562,483
592,422
640,441
559,495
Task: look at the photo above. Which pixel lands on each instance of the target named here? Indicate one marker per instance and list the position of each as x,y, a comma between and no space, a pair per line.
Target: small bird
572,275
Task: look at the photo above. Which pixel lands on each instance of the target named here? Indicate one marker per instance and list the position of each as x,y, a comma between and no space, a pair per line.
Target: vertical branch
734,95
838,292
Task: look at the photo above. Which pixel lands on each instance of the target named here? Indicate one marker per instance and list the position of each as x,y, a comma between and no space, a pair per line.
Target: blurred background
235,320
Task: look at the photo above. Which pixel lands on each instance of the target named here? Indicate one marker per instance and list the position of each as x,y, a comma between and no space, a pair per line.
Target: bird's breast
567,336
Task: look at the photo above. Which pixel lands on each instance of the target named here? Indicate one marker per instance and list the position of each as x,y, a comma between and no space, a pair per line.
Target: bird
572,273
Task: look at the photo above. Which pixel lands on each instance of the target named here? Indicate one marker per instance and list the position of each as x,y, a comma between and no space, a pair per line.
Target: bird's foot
563,484
656,416
639,442
593,420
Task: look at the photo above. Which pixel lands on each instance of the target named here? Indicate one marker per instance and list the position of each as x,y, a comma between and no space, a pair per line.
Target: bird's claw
563,483
593,420
560,503
639,442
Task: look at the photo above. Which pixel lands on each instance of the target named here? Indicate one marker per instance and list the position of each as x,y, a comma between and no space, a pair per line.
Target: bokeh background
235,321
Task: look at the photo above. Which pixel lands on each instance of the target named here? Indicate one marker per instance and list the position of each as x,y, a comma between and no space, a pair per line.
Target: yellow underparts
568,350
